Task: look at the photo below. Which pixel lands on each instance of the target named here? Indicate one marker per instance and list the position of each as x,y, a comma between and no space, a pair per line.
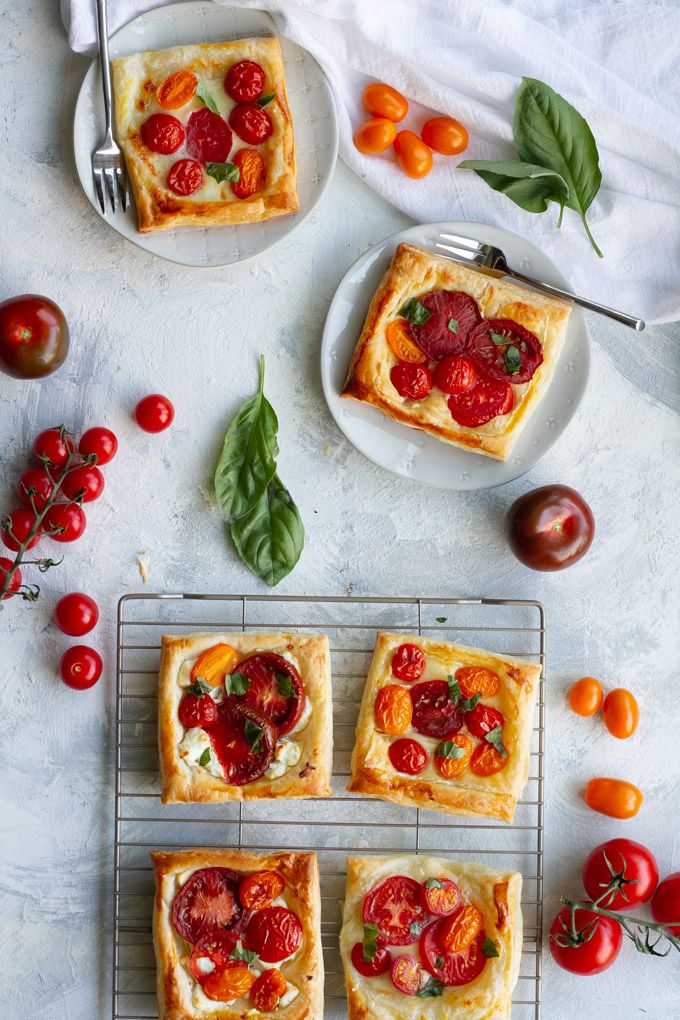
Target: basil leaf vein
269,539
529,186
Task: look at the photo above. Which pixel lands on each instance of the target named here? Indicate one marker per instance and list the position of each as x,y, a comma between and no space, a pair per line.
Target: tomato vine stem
638,929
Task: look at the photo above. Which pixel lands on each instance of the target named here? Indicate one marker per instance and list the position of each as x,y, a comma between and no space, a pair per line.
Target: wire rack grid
332,827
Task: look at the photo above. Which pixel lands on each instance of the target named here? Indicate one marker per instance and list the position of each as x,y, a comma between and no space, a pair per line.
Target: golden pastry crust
498,896
412,273
300,872
135,79
310,777
492,796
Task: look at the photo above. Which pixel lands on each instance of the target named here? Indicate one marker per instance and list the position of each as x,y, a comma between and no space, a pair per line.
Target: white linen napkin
615,61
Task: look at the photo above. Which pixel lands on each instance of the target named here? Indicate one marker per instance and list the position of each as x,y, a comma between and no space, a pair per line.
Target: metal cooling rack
332,827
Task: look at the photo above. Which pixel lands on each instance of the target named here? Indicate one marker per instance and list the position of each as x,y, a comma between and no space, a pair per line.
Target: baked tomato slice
274,933
243,739
208,137
209,902
504,350
408,662
487,399
276,689
211,953
435,713
451,968
396,907
453,315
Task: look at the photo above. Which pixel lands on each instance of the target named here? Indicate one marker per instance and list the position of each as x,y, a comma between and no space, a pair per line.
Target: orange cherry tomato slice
214,664
445,135
398,336
616,798
462,929
252,173
393,709
585,696
413,155
266,993
382,100
446,764
260,889
229,982
478,680
486,760
621,713
176,90
375,135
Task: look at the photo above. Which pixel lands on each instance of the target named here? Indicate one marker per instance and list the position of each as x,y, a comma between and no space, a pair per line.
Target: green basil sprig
558,158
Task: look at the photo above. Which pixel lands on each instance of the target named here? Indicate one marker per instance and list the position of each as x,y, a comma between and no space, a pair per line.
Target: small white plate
409,452
312,108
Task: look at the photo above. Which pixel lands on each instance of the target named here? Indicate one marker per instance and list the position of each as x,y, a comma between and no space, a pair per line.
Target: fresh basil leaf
469,703
237,684
248,460
254,734
453,325
415,928
223,171
414,312
454,689
432,989
549,131
239,952
205,97
200,687
449,749
498,338
434,883
266,100
285,686
270,538
439,962
512,360
495,738
441,619
489,948
528,185
370,942
205,757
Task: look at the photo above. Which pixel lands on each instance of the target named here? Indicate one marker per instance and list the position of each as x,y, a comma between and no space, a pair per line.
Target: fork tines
108,172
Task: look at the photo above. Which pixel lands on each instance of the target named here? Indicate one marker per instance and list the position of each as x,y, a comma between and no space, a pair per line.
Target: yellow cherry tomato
176,90
398,336
375,135
445,135
393,709
621,713
214,663
585,696
413,155
614,797
382,100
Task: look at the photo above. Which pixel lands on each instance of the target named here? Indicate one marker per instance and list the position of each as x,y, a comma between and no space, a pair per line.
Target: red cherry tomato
34,337
374,136
209,138
407,756
240,762
550,528
86,483
407,974
53,447
216,946
455,374
208,902
185,177
396,908
502,349
408,663
14,585
80,667
593,956
371,968
451,968
413,155
628,867
64,522
453,316
251,123
76,614
435,714
274,933
445,135
440,896
35,488
16,527
197,710
252,173
265,671
666,902
260,889
244,81
620,713
482,719
413,382
101,443
162,133
154,413
487,399
382,100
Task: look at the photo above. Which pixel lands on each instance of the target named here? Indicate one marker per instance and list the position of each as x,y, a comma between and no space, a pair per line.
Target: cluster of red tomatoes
414,152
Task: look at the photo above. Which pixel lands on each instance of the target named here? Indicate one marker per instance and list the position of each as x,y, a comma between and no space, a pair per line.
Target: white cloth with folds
617,63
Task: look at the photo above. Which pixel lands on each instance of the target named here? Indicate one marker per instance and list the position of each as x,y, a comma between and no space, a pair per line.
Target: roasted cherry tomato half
455,374
626,868
197,710
486,760
101,443
231,981
478,680
382,100
251,123
585,696
393,709
435,714
185,177
162,133
375,135
380,963
52,448
244,81
482,719
252,173
398,336
176,90
407,756
408,663
452,969
440,896
35,488
14,585
64,522
666,902
85,484
413,382
154,413
217,947
214,663
244,741
208,902
209,138
413,155
452,757
34,337
550,528
453,315
395,906
274,933
445,135
620,713
266,993
17,526
589,957
260,889
80,667
459,931
76,614
614,797
488,399
407,974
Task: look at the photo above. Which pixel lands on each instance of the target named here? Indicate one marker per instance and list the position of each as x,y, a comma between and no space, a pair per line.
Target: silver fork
108,165
492,260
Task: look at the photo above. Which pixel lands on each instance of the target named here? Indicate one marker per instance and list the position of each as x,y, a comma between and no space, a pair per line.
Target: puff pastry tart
444,726
237,935
456,353
207,133
244,716
425,937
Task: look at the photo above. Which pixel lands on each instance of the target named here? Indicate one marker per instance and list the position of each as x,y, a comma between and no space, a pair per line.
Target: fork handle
103,34
627,320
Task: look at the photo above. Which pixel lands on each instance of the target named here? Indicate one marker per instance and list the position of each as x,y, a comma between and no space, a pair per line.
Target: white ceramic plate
413,454
312,108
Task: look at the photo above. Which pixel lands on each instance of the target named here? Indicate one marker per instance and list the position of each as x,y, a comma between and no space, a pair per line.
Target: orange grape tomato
413,155
621,713
614,797
450,761
267,990
486,760
478,680
462,929
375,135
176,90
445,135
585,696
260,889
383,101
214,664
398,336
393,709
252,173
228,982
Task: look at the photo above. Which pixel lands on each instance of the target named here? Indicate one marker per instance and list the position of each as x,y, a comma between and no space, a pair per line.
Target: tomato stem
629,923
